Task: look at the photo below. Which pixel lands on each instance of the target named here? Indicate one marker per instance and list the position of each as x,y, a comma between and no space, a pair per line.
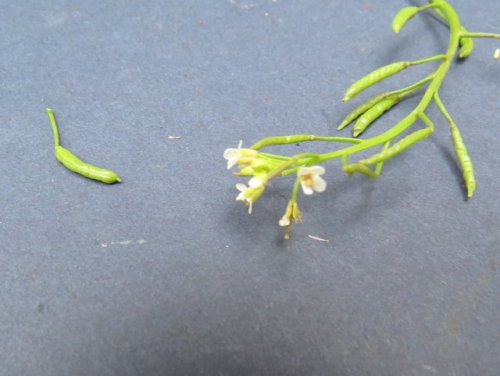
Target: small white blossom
292,213
284,221
311,180
251,193
239,156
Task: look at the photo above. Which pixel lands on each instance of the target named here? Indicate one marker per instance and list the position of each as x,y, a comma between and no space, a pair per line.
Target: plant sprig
263,167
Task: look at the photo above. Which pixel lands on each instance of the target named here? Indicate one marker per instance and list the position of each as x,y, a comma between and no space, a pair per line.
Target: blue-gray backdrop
166,274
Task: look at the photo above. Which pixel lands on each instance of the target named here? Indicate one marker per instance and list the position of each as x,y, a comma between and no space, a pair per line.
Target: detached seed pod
373,114
402,17
465,161
376,76
73,163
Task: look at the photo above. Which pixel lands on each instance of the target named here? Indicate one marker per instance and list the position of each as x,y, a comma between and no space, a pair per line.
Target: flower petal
319,184
241,187
313,170
306,189
318,170
284,221
255,182
227,153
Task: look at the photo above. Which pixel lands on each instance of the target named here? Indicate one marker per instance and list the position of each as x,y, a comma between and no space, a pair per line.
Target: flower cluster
264,167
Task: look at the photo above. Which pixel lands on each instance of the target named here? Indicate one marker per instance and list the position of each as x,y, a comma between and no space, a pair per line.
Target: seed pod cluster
360,110
373,114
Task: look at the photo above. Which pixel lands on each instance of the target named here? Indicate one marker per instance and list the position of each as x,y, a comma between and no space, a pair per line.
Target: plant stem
437,57
296,185
291,139
53,123
480,35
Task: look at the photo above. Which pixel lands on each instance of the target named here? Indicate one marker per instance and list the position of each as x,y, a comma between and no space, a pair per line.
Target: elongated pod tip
342,126
118,179
49,110
470,188
402,17
347,171
346,99
356,133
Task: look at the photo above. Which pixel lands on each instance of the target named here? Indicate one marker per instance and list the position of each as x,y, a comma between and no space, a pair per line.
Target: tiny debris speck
319,239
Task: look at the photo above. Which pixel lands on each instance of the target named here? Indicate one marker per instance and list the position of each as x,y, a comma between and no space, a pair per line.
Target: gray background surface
165,274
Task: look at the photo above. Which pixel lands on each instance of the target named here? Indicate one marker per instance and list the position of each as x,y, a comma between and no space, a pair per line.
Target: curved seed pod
465,161
373,114
466,45
402,17
73,163
372,78
399,146
351,168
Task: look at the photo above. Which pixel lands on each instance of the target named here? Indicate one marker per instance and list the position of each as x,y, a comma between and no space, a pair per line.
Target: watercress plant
263,167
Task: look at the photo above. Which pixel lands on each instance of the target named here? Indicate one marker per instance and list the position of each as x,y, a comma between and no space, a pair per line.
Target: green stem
426,120
53,123
432,58
274,156
443,109
296,186
480,35
410,89
425,7
291,139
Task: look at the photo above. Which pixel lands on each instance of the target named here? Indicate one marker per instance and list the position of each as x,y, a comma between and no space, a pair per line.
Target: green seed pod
402,17
465,161
399,146
373,114
466,45
360,110
73,163
351,168
372,78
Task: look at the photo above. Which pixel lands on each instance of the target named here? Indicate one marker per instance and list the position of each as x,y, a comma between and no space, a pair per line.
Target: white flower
310,179
292,213
284,221
251,193
239,156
